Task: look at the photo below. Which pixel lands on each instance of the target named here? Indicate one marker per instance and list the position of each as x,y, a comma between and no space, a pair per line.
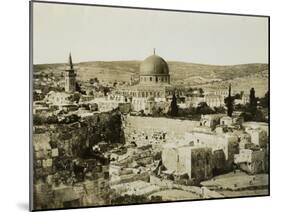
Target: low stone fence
130,178
201,192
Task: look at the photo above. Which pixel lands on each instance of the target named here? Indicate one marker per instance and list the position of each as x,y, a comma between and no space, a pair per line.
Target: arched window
156,79
150,78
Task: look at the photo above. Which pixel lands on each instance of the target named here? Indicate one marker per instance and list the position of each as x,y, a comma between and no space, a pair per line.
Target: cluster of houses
165,147
220,144
152,94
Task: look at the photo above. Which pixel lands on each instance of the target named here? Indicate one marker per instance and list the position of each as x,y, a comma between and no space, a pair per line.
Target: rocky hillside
182,73
78,138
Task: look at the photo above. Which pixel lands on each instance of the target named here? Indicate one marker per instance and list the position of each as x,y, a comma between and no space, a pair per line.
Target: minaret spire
154,51
70,61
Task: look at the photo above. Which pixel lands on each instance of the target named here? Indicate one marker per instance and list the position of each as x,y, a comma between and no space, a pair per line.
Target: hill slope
188,74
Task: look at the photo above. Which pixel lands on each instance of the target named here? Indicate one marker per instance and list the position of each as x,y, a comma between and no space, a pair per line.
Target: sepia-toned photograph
138,105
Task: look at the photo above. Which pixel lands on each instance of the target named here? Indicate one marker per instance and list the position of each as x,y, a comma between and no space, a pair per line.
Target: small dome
154,65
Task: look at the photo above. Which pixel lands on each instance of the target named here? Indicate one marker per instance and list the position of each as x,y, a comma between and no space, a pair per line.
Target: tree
201,91
74,97
253,102
190,90
240,107
204,108
91,81
77,87
174,106
219,109
264,101
91,92
96,80
106,90
229,102
52,119
237,96
46,89
251,112
38,120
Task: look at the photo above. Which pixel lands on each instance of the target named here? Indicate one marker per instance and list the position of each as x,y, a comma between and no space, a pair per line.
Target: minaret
70,61
70,77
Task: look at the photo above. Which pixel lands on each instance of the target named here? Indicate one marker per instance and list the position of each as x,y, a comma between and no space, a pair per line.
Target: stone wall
201,192
64,160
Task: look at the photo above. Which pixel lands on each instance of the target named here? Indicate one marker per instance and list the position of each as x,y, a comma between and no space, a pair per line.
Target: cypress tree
253,102
229,101
174,106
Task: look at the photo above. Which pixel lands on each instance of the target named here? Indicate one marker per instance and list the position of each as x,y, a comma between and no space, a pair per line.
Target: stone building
63,98
251,161
210,120
214,100
111,102
259,137
58,98
231,121
193,101
256,125
195,161
154,81
154,78
226,142
149,105
214,97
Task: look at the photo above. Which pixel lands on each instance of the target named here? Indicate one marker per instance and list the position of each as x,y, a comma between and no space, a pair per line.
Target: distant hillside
188,74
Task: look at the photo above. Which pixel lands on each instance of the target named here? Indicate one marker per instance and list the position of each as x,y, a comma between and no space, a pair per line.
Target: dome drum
155,79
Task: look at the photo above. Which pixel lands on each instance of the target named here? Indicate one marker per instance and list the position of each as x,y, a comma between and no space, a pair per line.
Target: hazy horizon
118,34
168,61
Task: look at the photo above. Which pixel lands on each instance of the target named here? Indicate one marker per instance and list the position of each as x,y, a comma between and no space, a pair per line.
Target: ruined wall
64,158
202,192
77,139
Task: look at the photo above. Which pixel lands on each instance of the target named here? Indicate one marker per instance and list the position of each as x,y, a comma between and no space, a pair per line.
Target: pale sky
108,34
